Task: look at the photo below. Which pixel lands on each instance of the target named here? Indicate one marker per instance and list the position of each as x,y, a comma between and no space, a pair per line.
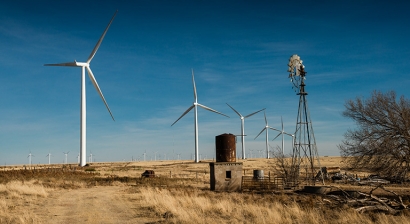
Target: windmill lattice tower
305,167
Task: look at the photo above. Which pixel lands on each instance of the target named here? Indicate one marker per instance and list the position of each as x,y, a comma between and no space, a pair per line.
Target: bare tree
381,141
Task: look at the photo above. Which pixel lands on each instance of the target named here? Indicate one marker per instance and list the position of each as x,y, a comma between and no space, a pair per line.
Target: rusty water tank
225,148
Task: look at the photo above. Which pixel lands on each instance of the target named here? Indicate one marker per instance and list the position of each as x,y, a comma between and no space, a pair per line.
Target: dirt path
108,204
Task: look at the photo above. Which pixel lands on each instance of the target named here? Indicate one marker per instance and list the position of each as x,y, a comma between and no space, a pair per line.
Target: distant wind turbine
66,153
266,128
29,158
91,157
283,133
49,156
86,65
195,106
243,127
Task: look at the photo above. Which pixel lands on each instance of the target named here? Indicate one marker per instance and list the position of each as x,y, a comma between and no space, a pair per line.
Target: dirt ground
100,204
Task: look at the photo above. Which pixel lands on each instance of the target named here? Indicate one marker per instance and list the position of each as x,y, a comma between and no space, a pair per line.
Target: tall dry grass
16,194
196,206
18,189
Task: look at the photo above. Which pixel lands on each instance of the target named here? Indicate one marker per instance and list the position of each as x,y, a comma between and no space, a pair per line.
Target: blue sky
239,51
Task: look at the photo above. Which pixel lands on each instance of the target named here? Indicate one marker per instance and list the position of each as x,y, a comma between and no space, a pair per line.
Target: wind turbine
49,156
266,128
91,157
66,153
86,65
195,106
29,158
283,133
243,127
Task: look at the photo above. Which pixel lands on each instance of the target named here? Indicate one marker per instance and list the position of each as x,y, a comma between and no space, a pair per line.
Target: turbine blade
100,40
266,120
275,129
240,115
72,64
260,133
212,110
190,108
287,134
254,113
281,120
276,136
94,81
193,83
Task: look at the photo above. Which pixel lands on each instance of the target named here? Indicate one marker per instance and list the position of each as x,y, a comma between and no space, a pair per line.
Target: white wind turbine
91,157
195,106
266,128
66,153
283,133
86,65
49,156
243,127
29,158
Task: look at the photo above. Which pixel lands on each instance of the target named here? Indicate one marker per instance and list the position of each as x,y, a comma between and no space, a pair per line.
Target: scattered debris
365,202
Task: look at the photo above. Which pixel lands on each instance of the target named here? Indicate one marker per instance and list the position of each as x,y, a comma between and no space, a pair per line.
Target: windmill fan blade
72,64
260,133
212,110
276,136
240,115
94,81
189,109
193,84
254,113
100,40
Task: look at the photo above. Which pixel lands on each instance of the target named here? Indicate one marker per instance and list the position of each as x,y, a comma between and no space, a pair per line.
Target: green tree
381,141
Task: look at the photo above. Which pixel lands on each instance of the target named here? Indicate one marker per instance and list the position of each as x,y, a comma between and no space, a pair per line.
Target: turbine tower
283,133
243,127
195,106
86,65
304,151
266,128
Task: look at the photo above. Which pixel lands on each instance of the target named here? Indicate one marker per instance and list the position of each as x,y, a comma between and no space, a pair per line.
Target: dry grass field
115,193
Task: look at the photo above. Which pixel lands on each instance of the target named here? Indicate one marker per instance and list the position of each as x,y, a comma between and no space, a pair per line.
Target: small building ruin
226,173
